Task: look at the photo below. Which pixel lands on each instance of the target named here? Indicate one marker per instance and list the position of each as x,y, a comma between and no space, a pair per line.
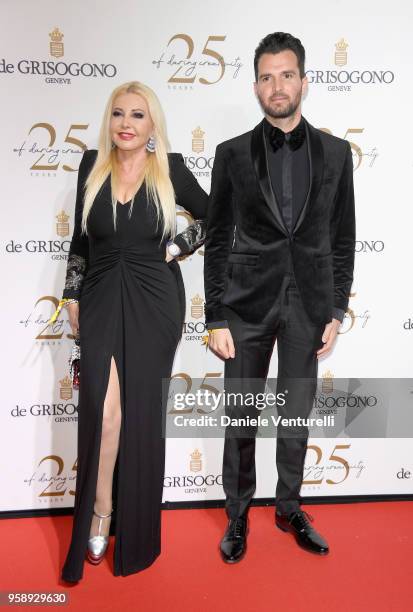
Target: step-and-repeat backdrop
58,64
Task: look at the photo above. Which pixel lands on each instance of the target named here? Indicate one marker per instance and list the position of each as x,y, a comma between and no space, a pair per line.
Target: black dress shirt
290,174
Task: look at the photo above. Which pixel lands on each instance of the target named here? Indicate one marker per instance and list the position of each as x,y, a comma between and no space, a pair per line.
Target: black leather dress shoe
298,524
234,543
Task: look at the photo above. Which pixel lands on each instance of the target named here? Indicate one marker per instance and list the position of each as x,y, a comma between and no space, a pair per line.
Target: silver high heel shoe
97,545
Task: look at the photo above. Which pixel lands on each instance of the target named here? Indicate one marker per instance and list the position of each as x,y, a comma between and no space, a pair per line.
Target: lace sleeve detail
192,237
75,273
77,262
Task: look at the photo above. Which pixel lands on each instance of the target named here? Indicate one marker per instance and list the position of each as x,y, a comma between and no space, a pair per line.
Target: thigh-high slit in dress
131,308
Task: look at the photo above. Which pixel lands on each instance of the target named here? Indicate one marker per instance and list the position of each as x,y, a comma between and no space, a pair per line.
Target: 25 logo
48,152
334,458
219,60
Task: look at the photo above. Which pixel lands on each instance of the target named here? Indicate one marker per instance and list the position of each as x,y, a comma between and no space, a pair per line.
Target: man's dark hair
277,42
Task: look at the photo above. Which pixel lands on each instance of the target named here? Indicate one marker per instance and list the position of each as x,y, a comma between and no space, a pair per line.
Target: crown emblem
56,35
56,44
198,140
62,217
66,391
340,56
341,45
195,464
62,225
327,382
197,308
198,133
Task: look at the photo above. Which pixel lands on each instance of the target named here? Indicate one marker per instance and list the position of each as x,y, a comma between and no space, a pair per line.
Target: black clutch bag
74,363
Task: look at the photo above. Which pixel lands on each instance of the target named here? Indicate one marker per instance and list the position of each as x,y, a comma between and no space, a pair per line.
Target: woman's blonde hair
159,187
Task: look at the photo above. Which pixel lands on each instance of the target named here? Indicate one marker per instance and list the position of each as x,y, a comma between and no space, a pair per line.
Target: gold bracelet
63,302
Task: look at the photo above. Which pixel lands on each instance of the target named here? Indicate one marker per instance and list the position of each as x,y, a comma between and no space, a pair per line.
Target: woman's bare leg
108,451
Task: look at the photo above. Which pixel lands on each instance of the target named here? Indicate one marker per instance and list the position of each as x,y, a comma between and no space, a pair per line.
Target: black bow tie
294,139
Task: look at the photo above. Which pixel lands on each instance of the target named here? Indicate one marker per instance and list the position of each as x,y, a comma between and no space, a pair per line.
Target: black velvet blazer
247,246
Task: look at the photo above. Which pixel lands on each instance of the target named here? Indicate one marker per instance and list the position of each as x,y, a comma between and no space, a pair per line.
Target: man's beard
284,112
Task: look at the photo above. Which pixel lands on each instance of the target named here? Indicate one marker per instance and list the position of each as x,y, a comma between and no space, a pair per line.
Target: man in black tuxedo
279,258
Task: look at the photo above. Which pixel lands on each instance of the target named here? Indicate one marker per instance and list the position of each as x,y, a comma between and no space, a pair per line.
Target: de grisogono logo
369,246
329,401
58,72
66,388
195,482
60,412
188,64
198,161
56,249
194,330
343,78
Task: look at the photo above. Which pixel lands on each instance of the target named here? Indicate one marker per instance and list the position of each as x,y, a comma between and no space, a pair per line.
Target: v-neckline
124,203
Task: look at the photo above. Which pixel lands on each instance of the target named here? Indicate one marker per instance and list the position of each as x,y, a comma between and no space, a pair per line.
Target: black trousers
298,339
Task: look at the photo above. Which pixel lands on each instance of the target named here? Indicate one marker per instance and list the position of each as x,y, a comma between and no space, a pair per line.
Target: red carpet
370,566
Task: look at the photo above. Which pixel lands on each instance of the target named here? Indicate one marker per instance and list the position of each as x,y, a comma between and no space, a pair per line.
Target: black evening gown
132,307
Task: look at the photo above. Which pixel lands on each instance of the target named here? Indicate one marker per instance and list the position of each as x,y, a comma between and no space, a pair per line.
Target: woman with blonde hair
125,297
